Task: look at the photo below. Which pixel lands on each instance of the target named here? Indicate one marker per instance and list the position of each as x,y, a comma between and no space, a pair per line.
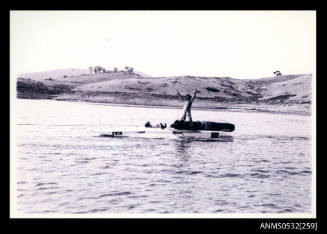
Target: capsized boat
179,129
203,126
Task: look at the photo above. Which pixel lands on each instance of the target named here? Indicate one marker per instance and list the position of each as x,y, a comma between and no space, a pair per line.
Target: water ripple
265,167
41,184
258,175
115,194
188,172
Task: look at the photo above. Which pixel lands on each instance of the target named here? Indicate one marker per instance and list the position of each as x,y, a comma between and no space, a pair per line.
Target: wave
115,194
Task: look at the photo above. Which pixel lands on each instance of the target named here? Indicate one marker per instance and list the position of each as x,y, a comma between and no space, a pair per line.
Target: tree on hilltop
277,73
129,69
99,69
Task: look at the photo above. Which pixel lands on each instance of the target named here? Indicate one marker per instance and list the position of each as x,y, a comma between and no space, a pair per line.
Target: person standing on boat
188,100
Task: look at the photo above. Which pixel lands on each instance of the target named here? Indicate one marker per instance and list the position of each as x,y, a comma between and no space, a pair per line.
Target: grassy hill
55,74
125,88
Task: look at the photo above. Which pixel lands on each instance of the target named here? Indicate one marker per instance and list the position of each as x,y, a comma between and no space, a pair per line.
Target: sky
238,44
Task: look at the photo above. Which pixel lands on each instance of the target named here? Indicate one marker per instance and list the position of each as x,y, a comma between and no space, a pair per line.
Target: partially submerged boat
203,130
203,126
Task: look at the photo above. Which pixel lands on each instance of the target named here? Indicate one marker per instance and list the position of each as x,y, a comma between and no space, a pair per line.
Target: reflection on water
182,147
265,166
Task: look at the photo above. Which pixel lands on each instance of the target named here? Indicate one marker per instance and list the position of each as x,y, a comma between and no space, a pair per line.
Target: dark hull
203,126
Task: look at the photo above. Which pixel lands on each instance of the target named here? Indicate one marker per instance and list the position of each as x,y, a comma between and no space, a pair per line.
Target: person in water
188,100
149,125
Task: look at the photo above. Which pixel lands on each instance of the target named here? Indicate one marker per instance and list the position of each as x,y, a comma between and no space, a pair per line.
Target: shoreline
230,107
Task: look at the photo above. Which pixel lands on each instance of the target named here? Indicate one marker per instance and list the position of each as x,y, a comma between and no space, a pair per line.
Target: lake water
64,167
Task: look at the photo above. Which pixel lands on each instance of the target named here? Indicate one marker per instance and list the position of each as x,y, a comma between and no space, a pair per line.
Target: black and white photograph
162,114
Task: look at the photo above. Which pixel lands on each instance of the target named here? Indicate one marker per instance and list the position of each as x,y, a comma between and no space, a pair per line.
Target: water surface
64,167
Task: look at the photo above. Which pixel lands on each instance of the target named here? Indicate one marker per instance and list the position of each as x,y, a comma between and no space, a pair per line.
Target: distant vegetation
277,73
212,89
99,69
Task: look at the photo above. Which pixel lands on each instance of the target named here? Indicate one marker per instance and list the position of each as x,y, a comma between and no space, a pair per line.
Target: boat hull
169,133
203,126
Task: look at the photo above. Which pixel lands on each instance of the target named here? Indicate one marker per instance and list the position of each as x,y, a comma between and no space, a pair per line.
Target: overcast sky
239,44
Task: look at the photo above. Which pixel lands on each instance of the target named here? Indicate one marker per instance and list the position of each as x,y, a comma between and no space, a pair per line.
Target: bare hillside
128,88
55,74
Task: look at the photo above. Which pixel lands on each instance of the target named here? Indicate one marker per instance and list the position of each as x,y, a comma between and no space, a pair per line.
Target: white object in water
169,133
